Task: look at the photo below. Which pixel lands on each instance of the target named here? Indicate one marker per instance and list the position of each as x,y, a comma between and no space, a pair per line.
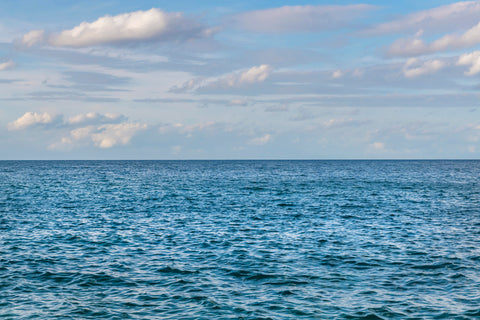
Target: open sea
240,239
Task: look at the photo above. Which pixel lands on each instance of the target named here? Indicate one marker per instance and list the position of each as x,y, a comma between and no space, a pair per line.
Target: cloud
337,74
109,135
153,24
7,65
378,145
30,119
260,141
187,86
238,102
32,38
237,79
416,46
103,136
414,68
93,117
255,74
458,15
343,123
291,19
472,60
100,130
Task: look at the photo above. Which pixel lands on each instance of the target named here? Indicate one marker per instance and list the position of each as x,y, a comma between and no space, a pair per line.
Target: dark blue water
240,240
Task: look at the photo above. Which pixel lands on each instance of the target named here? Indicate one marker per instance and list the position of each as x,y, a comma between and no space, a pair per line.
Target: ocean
239,239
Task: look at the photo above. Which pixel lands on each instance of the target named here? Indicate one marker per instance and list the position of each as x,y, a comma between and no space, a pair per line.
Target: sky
239,79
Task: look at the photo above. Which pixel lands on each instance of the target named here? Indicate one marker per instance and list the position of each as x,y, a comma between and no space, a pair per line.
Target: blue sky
239,79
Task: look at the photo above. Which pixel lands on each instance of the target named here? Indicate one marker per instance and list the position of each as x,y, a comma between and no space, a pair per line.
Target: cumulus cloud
100,130
30,119
457,15
414,67
472,60
109,135
153,24
289,19
104,136
416,46
7,65
259,141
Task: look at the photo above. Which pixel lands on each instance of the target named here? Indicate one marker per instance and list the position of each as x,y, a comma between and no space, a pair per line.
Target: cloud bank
100,130
105,136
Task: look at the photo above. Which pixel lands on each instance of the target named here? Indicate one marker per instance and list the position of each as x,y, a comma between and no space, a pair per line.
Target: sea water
240,239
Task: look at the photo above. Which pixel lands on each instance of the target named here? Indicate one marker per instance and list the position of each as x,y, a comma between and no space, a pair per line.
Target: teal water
239,239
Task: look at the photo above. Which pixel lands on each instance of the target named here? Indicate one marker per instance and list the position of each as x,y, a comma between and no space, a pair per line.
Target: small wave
173,270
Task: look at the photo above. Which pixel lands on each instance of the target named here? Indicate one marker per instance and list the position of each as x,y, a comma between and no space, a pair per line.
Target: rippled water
240,239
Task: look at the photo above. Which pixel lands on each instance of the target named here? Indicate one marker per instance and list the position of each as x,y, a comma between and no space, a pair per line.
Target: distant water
240,240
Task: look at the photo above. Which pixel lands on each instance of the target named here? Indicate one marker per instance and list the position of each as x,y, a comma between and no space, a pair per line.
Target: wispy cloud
7,65
235,79
252,75
292,19
414,67
150,25
472,60
456,15
417,46
262,140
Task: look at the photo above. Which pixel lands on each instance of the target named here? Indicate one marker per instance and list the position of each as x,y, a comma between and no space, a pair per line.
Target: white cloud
259,141
102,130
29,119
32,38
255,74
456,15
416,46
414,67
104,136
7,65
472,60
236,79
238,102
337,74
95,117
299,18
127,27
378,145
252,75
109,135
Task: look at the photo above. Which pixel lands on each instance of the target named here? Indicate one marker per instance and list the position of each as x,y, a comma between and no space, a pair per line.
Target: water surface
239,239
